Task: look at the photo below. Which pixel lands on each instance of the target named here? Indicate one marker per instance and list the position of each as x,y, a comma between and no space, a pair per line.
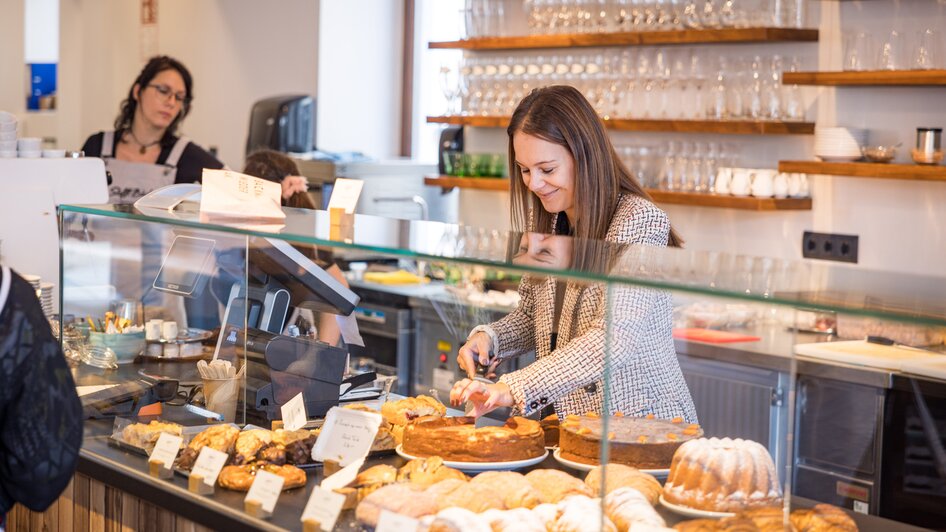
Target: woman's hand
291,184
485,397
475,349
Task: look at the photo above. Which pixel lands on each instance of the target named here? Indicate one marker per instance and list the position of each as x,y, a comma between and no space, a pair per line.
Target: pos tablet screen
184,270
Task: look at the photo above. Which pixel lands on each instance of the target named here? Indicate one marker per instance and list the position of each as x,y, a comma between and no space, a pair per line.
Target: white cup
8,136
723,178
169,330
803,190
763,183
741,183
30,144
32,154
54,154
153,329
780,185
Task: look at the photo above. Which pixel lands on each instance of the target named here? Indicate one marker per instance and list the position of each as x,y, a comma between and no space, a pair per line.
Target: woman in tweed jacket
567,179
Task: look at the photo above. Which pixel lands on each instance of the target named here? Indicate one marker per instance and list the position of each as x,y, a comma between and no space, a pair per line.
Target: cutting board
863,353
712,336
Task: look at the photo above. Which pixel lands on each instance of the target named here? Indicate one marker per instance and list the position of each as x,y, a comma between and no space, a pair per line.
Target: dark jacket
40,413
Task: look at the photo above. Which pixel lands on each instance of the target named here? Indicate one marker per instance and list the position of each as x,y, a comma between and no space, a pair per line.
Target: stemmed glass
450,86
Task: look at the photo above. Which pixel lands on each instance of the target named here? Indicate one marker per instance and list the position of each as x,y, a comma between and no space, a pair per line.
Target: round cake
457,439
641,442
722,475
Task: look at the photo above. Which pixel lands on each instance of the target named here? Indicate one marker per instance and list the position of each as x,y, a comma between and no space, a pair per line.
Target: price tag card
345,194
228,193
323,506
265,490
394,522
346,435
293,413
208,465
166,448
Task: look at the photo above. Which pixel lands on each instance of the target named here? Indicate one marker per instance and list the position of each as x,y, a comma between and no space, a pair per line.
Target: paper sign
165,450
324,506
348,326
444,378
394,522
343,476
232,194
346,435
265,490
208,465
345,194
293,413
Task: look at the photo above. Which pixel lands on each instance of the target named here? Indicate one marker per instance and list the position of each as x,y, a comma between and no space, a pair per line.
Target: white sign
208,465
231,194
165,450
323,506
343,476
443,379
345,194
394,522
293,413
346,435
265,490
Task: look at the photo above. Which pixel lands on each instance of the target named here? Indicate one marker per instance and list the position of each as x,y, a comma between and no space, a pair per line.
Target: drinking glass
858,51
891,52
450,86
927,53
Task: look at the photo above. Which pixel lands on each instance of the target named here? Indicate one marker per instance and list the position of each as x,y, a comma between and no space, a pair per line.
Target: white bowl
7,155
32,154
30,144
53,154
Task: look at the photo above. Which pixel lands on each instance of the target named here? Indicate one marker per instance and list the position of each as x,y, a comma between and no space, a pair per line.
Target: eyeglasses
165,92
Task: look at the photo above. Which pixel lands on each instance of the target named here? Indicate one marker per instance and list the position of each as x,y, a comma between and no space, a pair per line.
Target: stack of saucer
46,299
7,135
836,144
34,281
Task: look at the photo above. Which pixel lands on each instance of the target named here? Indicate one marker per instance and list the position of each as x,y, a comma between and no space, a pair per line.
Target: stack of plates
29,148
46,299
7,135
834,144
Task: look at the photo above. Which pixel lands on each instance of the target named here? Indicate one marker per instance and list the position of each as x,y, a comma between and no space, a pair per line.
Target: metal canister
928,145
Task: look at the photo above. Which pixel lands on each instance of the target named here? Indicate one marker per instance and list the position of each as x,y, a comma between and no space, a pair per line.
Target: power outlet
827,246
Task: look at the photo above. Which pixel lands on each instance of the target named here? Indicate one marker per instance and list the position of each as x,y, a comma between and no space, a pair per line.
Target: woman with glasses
143,153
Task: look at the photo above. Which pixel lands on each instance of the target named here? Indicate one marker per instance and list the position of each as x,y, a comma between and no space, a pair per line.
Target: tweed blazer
645,376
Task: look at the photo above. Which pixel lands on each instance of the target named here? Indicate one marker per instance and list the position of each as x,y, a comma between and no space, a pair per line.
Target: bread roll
427,471
516,491
406,499
579,513
622,476
626,506
554,485
474,497
515,520
458,520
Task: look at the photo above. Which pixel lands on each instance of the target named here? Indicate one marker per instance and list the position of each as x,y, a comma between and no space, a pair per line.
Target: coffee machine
282,123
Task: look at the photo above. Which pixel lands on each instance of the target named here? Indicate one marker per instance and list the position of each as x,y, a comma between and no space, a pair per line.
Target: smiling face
548,170
156,109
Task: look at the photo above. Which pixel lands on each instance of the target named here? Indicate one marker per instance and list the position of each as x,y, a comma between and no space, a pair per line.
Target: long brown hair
275,166
561,115
155,66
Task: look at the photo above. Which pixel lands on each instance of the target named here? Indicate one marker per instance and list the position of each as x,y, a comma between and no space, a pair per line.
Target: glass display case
736,382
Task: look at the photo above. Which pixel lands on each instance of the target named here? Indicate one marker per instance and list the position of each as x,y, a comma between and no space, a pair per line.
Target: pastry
272,454
554,485
403,412
300,451
621,476
642,442
626,506
458,520
767,518
366,483
145,436
457,438
722,475
240,477
577,512
516,491
407,499
698,525
218,437
427,471
283,437
546,513
248,443
474,497
514,520
823,518
550,428
444,487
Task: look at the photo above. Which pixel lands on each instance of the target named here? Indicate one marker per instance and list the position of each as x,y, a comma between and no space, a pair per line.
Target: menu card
265,490
293,413
346,435
209,464
165,449
231,194
323,506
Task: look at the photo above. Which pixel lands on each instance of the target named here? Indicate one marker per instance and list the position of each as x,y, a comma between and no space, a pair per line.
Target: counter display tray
579,466
186,336
693,512
477,467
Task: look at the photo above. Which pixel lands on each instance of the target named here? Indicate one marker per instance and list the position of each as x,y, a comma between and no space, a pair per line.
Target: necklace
141,147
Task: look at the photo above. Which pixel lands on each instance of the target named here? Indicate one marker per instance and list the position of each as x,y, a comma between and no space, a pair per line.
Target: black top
189,167
40,413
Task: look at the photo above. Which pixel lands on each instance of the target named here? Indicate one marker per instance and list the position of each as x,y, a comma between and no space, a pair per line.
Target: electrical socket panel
829,246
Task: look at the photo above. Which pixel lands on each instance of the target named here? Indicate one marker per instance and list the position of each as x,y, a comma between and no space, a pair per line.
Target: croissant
698,525
621,476
823,518
474,497
407,499
626,506
516,491
515,520
427,471
554,485
458,520
577,512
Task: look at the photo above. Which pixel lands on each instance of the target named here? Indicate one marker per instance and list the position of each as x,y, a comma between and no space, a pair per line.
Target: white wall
41,31
359,103
238,51
901,224
12,67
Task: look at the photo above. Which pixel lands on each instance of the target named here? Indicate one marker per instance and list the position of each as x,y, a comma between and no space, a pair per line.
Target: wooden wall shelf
876,170
722,36
868,78
735,127
660,196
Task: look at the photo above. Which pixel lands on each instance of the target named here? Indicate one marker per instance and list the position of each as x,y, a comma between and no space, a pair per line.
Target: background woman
567,179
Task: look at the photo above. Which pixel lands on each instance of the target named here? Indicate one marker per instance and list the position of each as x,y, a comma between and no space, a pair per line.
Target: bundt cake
722,475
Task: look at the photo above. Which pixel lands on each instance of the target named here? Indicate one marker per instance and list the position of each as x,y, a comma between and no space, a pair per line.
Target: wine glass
450,86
